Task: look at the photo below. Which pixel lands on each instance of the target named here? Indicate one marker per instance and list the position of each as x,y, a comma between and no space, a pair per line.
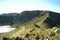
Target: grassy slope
29,28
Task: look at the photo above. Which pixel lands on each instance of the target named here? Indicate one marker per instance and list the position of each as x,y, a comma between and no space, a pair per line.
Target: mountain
32,25
26,16
6,19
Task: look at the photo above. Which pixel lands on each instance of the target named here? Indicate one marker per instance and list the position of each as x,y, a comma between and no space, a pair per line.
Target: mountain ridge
32,25
26,16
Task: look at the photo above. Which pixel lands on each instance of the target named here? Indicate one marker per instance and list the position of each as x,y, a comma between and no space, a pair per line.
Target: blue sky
7,6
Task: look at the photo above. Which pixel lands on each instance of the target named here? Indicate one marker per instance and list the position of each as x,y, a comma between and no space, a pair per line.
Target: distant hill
26,16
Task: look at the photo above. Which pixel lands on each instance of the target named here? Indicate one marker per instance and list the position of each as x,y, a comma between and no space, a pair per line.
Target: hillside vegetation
32,25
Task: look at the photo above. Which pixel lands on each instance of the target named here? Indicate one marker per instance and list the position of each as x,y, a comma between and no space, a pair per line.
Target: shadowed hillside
26,16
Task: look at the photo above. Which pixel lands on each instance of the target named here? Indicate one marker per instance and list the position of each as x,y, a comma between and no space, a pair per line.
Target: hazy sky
7,6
